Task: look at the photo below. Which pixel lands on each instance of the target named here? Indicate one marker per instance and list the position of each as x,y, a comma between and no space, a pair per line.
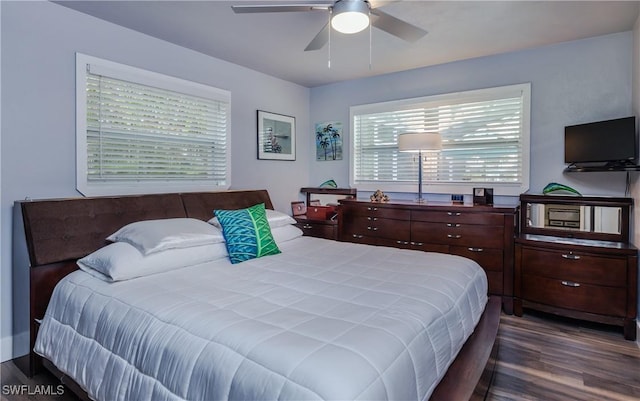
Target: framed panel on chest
573,258
482,233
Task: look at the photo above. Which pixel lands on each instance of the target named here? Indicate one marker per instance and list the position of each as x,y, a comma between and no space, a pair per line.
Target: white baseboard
14,346
6,349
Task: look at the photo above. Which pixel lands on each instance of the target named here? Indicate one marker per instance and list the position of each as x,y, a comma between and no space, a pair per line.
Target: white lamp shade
419,141
350,16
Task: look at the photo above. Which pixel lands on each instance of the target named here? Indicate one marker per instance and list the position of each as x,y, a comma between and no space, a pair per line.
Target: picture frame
298,208
328,137
276,136
483,196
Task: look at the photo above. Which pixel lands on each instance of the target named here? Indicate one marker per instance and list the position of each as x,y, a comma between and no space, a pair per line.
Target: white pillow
285,233
121,261
151,236
275,218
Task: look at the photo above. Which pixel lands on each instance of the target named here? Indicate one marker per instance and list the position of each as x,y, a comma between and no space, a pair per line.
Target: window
485,142
142,132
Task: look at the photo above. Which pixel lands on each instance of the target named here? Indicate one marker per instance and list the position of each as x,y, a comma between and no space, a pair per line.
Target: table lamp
419,142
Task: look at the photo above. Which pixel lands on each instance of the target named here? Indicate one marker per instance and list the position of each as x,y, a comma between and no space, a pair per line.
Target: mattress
323,320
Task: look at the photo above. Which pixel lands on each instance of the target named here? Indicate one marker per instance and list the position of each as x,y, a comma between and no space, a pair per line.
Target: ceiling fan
346,16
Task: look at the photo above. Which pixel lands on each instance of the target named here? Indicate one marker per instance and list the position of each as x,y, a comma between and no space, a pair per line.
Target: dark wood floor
541,358
553,359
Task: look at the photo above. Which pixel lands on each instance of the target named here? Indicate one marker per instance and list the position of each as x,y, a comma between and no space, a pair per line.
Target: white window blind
485,142
141,135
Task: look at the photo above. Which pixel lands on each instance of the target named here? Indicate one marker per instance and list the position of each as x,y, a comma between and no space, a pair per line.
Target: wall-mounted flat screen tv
607,142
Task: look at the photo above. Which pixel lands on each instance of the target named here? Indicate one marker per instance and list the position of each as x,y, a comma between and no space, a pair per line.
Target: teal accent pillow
247,233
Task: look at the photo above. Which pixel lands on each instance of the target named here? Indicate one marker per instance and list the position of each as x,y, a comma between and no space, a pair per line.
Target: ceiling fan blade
320,40
279,8
397,27
381,3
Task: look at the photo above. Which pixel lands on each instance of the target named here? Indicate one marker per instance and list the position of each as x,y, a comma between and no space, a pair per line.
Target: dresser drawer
575,267
490,259
328,231
427,247
458,234
495,282
576,296
458,216
379,227
394,243
373,210
360,239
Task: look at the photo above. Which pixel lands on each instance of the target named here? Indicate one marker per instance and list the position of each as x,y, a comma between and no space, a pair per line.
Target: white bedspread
323,320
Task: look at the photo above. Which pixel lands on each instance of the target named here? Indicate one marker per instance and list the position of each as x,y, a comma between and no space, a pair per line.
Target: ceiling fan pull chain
370,45
329,25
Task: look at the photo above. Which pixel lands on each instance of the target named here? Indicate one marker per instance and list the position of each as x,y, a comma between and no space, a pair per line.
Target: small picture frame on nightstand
298,208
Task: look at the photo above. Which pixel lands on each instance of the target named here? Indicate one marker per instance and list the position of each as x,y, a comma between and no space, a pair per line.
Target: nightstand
573,258
318,228
322,228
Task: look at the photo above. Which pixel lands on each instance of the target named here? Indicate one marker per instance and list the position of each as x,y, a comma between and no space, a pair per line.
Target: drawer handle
570,256
456,236
372,218
402,242
372,209
454,214
372,228
307,226
417,243
453,225
357,236
476,249
570,284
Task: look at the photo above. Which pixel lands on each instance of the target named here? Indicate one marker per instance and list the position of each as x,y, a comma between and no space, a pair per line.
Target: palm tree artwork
329,141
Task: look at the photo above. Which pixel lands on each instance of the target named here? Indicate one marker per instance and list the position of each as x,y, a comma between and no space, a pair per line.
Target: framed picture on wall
328,141
276,136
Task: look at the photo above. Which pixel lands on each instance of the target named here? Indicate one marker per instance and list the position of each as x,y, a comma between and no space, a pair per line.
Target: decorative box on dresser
482,233
573,258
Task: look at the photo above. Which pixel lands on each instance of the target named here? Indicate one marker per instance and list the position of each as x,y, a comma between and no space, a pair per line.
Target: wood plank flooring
548,358
541,358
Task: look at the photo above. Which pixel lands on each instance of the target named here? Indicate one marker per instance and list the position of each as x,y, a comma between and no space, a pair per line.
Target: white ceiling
274,43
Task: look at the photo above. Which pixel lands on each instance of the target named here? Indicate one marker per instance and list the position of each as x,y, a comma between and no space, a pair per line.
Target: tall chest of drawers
573,258
482,233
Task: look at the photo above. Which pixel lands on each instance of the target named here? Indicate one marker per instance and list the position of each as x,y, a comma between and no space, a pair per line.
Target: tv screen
602,141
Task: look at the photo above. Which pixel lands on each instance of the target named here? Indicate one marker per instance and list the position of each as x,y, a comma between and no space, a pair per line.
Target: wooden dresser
482,233
573,258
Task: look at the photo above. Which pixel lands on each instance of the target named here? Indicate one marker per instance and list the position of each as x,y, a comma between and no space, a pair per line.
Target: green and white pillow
247,233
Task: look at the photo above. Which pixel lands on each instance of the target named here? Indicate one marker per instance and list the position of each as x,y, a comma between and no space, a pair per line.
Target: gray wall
572,82
39,41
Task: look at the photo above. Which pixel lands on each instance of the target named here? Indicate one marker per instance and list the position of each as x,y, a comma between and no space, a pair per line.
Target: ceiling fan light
350,16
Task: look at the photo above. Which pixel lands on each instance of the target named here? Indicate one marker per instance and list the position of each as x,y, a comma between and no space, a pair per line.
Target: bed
319,320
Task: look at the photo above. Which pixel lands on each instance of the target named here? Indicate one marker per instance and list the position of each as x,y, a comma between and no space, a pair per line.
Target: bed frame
58,232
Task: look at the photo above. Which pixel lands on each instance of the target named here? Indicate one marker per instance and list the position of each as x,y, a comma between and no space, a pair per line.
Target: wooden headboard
200,205
68,229
50,235
64,229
